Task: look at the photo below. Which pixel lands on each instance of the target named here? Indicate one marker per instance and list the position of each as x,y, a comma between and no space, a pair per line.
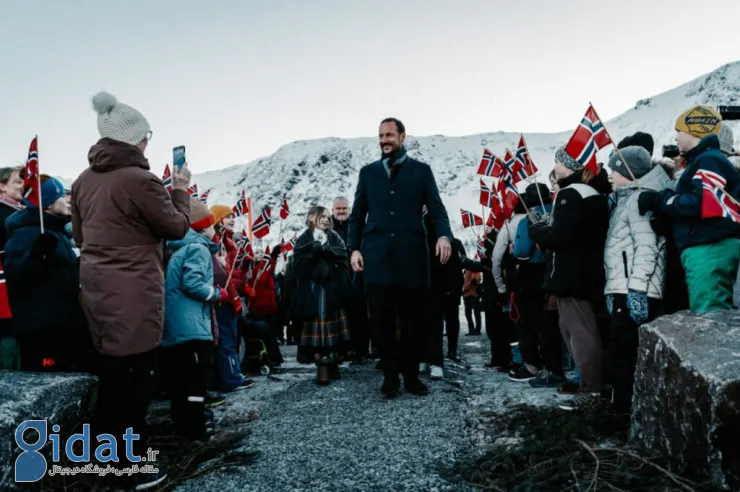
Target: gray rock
62,399
687,395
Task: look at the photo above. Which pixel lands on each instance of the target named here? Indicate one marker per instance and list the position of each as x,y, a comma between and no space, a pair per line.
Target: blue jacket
684,206
189,290
43,292
386,222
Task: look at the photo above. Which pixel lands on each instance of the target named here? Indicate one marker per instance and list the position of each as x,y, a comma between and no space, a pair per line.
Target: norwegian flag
242,245
590,137
485,194
289,246
4,303
490,165
241,207
261,226
284,209
193,191
481,248
509,196
524,159
31,184
715,201
204,197
514,168
496,217
267,250
469,219
167,178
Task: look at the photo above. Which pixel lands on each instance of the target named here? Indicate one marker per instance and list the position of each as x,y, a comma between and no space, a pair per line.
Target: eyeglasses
149,135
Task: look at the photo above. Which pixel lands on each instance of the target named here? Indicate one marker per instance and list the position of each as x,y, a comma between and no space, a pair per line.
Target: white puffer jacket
634,257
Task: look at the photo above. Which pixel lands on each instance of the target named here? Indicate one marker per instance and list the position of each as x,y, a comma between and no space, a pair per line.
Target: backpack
524,248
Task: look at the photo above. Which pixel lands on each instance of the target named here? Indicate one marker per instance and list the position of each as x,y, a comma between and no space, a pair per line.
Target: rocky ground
346,437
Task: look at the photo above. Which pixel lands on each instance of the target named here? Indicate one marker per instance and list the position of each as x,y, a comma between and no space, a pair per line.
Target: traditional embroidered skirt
325,334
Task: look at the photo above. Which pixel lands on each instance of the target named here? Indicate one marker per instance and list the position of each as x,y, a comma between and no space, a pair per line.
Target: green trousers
9,355
711,270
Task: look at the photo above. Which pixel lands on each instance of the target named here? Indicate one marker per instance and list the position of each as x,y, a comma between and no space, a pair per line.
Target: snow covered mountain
316,171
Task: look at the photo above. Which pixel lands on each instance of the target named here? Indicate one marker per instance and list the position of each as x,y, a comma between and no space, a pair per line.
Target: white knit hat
119,121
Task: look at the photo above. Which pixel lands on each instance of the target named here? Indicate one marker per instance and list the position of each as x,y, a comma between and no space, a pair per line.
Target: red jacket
264,302
239,275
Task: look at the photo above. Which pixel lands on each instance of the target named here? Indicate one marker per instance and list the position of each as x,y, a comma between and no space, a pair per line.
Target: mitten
649,201
637,302
249,291
223,296
236,306
44,246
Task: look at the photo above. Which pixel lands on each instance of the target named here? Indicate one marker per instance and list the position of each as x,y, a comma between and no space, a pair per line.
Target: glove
236,306
637,302
223,296
649,201
503,298
44,246
250,291
278,249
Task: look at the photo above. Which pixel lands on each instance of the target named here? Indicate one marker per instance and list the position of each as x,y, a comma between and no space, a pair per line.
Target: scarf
6,200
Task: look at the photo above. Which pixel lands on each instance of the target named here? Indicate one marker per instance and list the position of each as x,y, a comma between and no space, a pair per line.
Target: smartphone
178,157
671,151
729,112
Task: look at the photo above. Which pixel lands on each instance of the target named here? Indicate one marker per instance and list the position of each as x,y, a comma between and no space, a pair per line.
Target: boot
322,375
391,385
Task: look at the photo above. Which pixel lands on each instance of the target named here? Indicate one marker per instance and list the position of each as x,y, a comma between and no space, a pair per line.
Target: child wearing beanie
42,272
706,239
634,258
187,342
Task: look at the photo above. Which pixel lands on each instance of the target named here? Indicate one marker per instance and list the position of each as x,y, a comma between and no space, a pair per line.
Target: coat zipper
552,273
624,262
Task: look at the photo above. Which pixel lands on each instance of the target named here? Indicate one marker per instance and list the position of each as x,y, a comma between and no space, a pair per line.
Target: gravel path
346,437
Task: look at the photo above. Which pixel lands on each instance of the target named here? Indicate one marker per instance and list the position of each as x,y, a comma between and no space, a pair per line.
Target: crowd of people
155,292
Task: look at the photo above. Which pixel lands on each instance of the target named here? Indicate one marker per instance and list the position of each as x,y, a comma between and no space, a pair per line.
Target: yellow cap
221,212
700,121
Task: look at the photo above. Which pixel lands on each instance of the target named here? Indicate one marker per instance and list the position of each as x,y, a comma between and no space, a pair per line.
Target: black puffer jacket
576,238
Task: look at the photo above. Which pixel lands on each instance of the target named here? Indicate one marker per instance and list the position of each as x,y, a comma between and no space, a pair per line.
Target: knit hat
534,198
220,212
638,159
200,217
119,121
51,190
699,121
566,160
726,140
641,139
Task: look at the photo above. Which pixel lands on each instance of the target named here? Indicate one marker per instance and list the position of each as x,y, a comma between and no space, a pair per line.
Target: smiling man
388,243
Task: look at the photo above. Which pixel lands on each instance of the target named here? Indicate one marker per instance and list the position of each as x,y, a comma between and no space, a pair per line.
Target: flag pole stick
38,180
619,152
249,220
238,250
539,193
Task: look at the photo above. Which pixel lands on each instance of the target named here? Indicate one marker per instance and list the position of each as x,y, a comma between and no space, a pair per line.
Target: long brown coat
121,213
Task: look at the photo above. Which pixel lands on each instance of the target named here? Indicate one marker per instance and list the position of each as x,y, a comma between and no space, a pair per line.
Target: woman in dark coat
322,271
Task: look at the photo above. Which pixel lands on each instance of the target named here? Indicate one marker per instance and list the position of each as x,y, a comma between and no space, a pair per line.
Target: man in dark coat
388,243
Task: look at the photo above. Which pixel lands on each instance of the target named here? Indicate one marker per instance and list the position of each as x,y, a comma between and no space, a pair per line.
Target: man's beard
393,152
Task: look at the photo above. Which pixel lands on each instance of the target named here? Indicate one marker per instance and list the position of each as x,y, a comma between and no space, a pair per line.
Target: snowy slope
314,172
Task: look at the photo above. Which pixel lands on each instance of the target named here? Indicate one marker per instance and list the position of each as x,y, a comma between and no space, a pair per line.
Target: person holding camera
709,247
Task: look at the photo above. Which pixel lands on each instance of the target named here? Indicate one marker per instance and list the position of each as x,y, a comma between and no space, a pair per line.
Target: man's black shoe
415,387
391,385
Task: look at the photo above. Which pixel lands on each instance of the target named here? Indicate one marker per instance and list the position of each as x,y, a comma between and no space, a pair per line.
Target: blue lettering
129,437
56,447
30,465
109,446
85,438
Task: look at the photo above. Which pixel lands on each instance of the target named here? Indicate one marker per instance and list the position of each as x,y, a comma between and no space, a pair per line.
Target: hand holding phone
178,157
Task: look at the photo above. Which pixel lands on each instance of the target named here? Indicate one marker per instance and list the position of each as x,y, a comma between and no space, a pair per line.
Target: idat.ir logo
31,465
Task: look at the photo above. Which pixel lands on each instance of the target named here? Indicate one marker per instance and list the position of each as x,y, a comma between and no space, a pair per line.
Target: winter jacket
472,281
685,205
264,303
341,227
324,264
43,290
121,214
576,238
238,273
189,290
634,256
8,207
503,241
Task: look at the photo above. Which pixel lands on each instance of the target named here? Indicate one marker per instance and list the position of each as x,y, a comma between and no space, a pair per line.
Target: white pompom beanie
119,121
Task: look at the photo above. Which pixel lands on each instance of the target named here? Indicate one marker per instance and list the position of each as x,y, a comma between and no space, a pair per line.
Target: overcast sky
234,80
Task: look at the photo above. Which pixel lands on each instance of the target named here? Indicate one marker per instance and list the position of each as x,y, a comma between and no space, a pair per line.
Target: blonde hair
587,175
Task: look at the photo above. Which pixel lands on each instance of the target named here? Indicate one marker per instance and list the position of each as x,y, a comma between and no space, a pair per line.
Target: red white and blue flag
469,219
243,247
495,220
514,168
490,165
167,178
193,191
509,196
204,197
481,248
715,201
241,207
289,246
31,182
4,303
261,226
485,194
524,159
284,209
590,137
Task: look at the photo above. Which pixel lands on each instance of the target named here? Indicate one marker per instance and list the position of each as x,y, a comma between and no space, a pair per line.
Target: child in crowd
42,270
187,342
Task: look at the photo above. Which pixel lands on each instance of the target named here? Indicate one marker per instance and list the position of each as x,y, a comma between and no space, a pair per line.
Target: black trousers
497,330
356,310
432,351
472,308
126,386
452,322
186,371
622,351
260,329
396,315
531,324
551,343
